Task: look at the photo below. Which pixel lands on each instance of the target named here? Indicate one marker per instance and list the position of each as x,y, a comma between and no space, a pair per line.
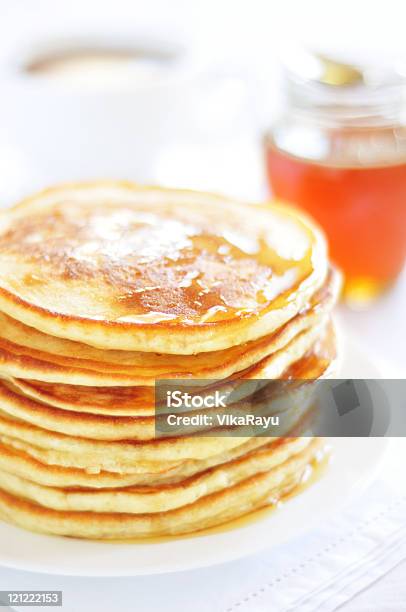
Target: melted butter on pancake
154,267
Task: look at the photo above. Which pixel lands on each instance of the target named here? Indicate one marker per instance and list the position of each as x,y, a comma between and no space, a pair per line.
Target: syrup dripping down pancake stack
107,287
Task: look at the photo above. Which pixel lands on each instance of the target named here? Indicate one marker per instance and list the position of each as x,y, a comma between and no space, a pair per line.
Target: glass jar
339,151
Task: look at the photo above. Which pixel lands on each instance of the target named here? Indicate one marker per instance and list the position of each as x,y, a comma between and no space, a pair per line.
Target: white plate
354,464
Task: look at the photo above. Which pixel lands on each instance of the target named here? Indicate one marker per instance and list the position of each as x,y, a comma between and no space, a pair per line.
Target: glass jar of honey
339,152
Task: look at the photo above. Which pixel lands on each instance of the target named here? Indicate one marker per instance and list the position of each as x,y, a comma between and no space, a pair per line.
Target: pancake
118,266
263,488
75,423
109,401
91,452
122,455
143,368
101,427
16,461
18,366
139,401
137,500
315,363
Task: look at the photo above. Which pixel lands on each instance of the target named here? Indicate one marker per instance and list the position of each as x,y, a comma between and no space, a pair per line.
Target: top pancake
29,353
118,266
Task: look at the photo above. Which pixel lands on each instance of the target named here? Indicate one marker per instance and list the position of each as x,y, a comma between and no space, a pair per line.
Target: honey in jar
339,152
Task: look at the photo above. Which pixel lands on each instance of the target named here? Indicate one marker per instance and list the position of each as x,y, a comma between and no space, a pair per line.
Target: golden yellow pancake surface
122,267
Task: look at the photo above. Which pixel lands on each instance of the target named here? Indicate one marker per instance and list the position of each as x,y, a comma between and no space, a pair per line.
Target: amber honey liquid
362,207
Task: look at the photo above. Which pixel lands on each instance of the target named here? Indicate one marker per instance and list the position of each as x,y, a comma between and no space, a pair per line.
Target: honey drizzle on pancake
155,268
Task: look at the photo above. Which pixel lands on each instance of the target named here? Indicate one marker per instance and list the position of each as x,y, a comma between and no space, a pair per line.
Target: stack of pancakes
107,287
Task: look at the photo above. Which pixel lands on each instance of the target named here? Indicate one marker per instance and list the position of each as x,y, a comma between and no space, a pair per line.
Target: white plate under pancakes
355,463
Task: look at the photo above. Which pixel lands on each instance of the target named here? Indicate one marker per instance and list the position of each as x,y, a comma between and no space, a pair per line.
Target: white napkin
342,559
318,572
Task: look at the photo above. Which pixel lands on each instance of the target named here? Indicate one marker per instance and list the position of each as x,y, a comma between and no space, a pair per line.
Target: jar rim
358,92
